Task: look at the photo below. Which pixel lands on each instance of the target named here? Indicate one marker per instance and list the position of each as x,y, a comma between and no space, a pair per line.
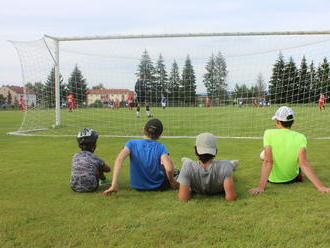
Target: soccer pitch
38,208
224,121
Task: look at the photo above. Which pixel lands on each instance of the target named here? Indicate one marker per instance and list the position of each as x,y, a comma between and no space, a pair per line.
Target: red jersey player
130,102
321,102
71,102
20,103
207,102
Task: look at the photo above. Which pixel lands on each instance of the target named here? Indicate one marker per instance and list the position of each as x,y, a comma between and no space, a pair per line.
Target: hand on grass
256,191
325,190
113,188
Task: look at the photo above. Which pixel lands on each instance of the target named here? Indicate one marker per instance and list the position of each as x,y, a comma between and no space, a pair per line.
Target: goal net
228,84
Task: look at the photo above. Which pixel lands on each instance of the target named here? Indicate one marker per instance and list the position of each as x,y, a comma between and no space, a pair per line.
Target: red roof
19,90
111,91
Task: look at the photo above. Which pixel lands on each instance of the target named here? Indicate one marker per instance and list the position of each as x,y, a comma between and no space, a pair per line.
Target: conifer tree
77,86
147,70
188,84
174,82
161,79
290,83
323,77
48,91
215,77
277,80
304,77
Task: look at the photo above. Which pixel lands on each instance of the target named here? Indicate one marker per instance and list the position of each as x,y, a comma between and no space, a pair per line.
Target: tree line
180,88
45,92
290,84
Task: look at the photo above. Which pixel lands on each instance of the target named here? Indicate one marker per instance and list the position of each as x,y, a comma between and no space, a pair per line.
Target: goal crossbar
182,35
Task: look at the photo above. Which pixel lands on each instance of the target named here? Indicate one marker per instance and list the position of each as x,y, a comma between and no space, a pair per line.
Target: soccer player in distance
321,102
151,167
20,103
285,154
70,102
163,101
206,176
87,168
140,89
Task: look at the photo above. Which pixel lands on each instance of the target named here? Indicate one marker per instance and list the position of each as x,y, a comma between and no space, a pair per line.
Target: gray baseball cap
206,144
283,113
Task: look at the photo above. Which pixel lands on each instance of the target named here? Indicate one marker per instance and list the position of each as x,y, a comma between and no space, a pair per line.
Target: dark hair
90,147
287,124
153,129
204,157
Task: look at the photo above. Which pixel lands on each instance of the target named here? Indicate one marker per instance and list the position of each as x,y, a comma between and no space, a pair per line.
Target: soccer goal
229,84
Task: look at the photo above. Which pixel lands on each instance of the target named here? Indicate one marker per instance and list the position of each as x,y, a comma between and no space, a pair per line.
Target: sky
30,20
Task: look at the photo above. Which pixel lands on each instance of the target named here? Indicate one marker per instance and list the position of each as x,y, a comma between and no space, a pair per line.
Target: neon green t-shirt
285,145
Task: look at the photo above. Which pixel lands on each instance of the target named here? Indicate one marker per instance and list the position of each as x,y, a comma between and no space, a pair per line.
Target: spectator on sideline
87,168
151,167
206,176
285,155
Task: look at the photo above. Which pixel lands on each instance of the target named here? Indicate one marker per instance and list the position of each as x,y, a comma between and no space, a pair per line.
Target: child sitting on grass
87,168
206,176
284,155
151,167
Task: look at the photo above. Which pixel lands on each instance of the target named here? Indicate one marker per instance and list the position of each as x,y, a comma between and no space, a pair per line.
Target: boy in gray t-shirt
87,168
206,176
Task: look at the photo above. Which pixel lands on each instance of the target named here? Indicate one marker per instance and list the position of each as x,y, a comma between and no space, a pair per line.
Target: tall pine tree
174,82
77,86
147,70
290,84
161,86
324,80
277,80
48,91
215,77
304,77
221,75
188,84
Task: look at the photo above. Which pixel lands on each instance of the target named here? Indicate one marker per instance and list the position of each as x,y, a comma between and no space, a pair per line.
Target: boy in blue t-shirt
151,168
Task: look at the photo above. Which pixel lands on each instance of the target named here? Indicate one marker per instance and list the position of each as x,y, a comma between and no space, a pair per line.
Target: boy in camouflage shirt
87,168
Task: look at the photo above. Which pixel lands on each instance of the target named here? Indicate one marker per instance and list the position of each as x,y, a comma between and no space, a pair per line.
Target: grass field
38,208
225,121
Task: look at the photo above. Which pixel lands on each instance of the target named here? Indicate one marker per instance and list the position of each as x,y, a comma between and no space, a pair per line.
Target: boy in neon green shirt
285,155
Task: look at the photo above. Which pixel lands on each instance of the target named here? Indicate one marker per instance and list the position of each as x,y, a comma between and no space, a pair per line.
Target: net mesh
230,86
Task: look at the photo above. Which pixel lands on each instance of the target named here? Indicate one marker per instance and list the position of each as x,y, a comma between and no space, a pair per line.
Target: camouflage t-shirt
84,171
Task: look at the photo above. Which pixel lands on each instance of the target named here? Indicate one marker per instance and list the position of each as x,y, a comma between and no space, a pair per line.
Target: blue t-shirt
145,167
164,99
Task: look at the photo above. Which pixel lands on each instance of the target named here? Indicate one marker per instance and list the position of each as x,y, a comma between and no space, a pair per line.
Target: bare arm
229,188
307,169
184,193
265,171
116,170
169,169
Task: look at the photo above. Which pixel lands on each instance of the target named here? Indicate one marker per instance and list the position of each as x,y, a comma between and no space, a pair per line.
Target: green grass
38,208
225,121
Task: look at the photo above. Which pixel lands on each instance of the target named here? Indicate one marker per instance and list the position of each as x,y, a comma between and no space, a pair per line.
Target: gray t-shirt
205,181
84,171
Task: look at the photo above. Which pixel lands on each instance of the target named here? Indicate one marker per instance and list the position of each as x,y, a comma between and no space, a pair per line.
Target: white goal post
248,75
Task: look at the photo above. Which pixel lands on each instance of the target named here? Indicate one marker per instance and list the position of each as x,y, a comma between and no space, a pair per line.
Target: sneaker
105,182
235,163
176,173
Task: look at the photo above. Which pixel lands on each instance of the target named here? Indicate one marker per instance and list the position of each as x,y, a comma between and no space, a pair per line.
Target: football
262,155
